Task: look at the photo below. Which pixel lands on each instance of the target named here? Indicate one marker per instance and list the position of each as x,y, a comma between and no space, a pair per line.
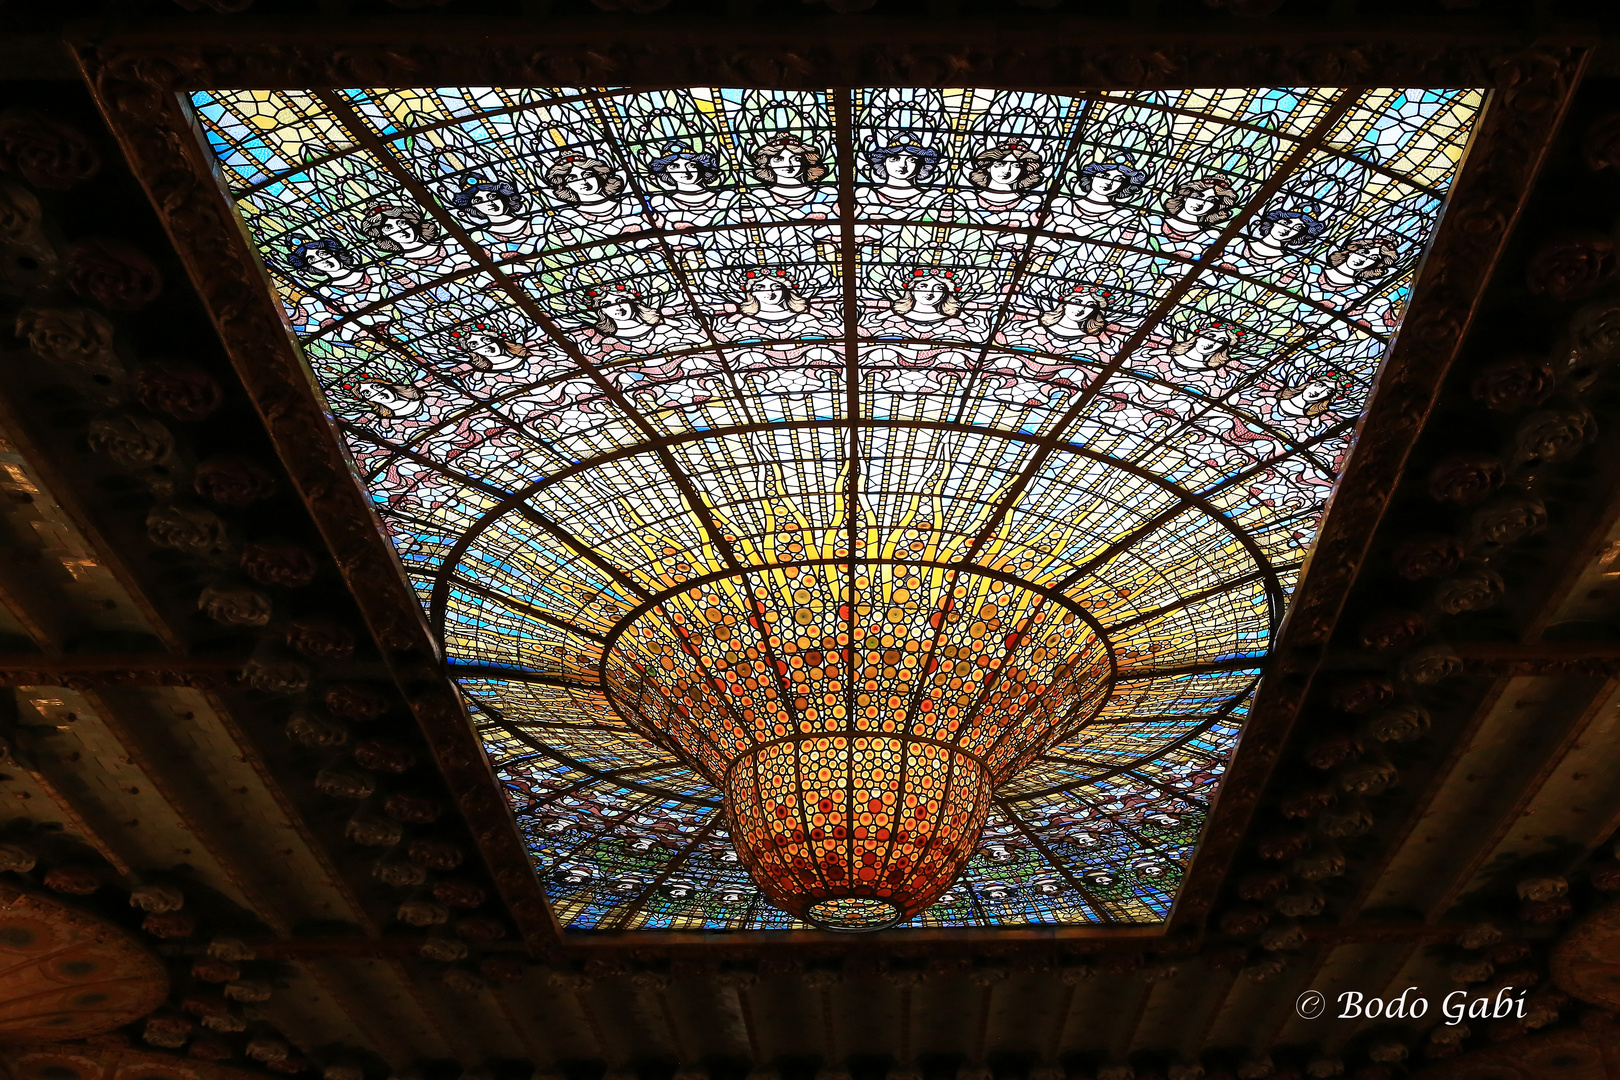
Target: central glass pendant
858,717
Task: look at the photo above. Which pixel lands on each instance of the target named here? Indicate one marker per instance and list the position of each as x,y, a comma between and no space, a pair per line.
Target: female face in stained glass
998,851
1107,183
627,884
771,296
1311,398
1198,204
623,314
585,183
685,172
902,166
1077,312
928,297
1281,231
1151,867
391,401
1208,350
678,890
401,230
1007,170
1361,260
326,259
575,876
488,204
491,352
786,161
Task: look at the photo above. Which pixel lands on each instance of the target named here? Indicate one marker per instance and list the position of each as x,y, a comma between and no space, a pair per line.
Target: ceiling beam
146,669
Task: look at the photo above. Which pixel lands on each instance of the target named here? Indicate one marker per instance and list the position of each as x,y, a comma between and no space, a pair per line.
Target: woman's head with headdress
705,165
928,159
477,196
1133,178
485,345
386,224
1096,297
1314,392
576,168
1211,342
1031,173
386,399
606,301
810,169
777,283
308,255
1365,258
1216,191
1305,230
939,279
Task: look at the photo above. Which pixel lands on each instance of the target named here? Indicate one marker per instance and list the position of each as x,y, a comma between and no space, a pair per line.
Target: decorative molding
1586,961
137,81
65,974
1583,1053
84,1061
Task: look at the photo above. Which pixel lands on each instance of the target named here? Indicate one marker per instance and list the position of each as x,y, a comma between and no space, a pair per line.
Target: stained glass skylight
840,434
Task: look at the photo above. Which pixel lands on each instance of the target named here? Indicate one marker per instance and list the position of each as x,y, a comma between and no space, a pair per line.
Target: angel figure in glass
1312,396
1202,358
496,361
389,400
901,179
928,302
1193,216
686,189
337,287
493,207
773,307
591,204
1273,245
329,266
1357,265
1073,328
790,173
624,322
1005,180
572,878
1100,207
1047,884
407,234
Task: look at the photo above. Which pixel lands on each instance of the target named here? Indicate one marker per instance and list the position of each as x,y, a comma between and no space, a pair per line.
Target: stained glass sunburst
848,507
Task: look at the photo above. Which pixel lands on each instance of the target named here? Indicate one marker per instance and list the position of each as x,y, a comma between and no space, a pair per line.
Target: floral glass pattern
954,446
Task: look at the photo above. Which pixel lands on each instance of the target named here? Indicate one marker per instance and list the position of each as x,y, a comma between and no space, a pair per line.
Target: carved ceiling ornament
1583,1053
1586,961
65,974
135,84
86,1062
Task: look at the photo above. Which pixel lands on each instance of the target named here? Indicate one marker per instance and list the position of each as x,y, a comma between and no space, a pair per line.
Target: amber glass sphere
858,718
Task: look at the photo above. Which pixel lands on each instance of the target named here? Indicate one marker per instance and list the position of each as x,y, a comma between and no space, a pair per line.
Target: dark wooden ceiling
191,673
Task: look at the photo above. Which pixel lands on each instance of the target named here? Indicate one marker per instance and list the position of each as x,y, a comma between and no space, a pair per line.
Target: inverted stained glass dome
848,508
